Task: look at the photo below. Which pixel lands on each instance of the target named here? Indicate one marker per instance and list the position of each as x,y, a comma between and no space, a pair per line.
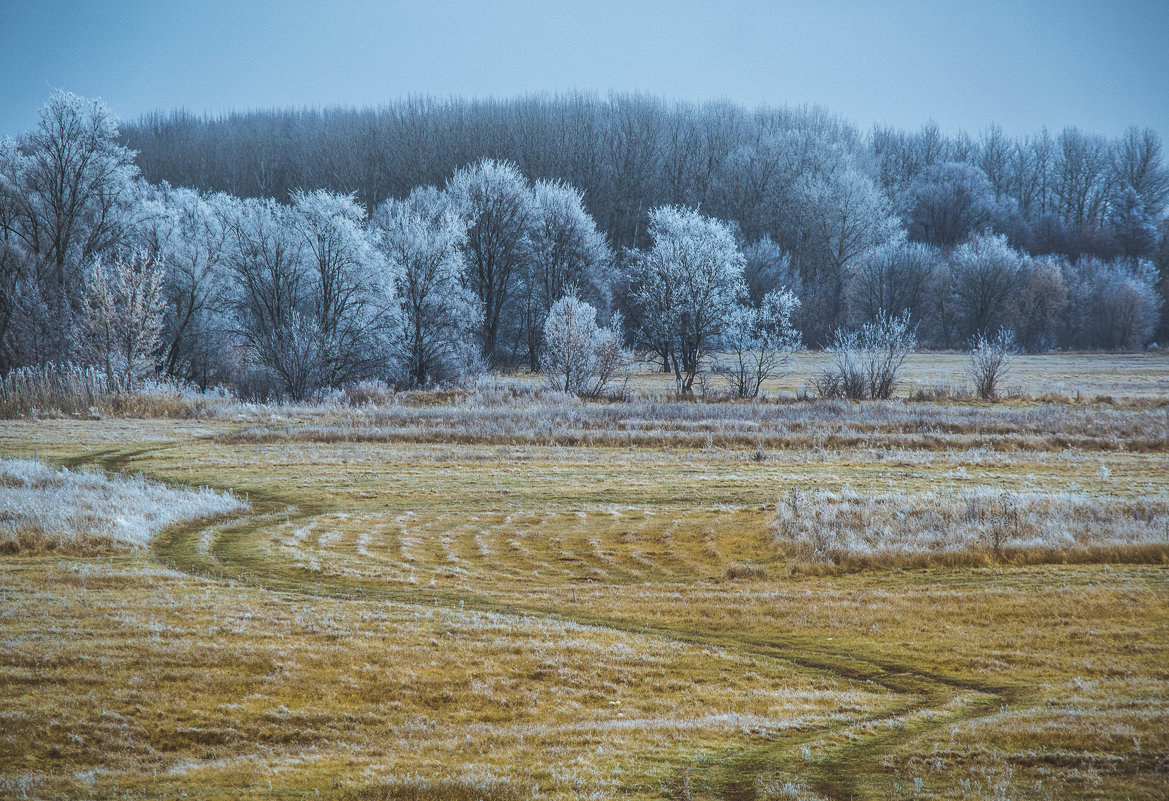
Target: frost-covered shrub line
841,527
45,508
496,414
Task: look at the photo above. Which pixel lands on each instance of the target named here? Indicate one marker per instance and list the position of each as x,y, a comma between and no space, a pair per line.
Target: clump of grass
746,572
369,393
45,509
965,526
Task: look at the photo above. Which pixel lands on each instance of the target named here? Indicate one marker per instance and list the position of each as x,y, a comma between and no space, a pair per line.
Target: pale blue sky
1100,65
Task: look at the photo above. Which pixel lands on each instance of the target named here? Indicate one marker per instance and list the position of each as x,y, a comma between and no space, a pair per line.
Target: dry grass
971,525
68,390
405,617
48,509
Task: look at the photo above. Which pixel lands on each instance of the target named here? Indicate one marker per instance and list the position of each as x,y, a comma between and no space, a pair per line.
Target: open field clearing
504,594
1086,375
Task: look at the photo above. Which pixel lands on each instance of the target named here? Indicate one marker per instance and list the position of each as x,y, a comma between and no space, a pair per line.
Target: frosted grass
45,508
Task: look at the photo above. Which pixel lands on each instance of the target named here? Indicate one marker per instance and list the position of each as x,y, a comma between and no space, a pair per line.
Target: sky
1100,65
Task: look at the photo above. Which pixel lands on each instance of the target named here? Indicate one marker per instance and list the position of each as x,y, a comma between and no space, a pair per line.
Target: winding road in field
849,755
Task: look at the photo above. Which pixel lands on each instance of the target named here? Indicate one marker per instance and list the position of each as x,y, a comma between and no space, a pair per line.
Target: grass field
508,595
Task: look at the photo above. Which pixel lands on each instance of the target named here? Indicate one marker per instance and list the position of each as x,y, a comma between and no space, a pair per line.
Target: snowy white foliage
686,286
834,526
183,232
436,315
845,214
290,293
867,362
120,325
45,507
758,343
990,356
68,196
497,203
579,357
891,278
565,253
987,273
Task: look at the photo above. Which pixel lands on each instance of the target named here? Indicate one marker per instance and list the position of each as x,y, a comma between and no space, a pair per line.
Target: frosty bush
758,343
579,356
838,527
867,363
989,359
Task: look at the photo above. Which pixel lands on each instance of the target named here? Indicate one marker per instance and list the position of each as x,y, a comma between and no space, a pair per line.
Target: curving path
853,752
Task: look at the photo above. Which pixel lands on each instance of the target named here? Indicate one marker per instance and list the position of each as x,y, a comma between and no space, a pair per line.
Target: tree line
283,252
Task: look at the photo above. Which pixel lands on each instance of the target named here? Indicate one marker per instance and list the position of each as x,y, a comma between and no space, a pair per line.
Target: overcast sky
1100,65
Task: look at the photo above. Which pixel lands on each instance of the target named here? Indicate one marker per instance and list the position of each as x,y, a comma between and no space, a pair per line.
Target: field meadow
503,593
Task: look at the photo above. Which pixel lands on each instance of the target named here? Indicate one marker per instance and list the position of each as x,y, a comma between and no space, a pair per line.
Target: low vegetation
505,592
975,525
48,509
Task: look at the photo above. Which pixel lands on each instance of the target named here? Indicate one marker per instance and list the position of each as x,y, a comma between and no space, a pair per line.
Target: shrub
758,343
989,360
867,362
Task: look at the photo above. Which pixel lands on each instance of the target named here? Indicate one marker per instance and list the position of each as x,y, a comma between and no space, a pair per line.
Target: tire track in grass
845,771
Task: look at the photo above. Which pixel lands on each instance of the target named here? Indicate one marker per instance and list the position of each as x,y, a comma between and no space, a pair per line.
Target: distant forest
1070,194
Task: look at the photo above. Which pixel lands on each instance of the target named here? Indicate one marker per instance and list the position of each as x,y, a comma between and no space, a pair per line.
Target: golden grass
407,619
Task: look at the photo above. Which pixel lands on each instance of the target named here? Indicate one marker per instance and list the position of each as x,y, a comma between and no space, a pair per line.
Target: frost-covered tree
185,233
1041,301
437,316
579,356
68,190
1134,229
1082,179
949,202
891,278
845,215
270,300
986,274
686,286
120,326
1113,305
565,252
497,202
1137,164
758,343
766,268
341,263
